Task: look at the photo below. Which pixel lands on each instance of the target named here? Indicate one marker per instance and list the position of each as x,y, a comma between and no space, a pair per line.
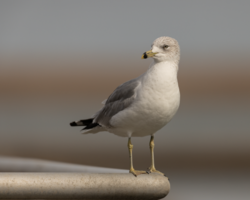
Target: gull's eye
165,46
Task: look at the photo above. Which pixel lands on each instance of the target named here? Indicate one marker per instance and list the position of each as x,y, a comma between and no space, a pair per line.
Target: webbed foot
136,173
153,170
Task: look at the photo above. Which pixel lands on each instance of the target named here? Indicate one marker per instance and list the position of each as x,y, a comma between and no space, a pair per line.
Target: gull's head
164,49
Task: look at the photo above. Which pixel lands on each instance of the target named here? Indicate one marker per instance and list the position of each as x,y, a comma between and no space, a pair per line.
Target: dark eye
165,46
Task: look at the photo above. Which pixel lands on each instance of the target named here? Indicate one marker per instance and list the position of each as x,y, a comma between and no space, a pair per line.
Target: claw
136,173
153,170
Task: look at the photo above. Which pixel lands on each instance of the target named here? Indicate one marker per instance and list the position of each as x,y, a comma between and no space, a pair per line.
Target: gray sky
122,26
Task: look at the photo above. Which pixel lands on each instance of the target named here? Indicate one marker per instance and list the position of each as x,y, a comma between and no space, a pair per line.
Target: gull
143,105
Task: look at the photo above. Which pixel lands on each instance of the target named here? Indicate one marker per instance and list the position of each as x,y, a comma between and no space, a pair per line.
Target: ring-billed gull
142,106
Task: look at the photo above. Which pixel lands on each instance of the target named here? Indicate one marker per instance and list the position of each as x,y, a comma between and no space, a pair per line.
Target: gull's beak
148,54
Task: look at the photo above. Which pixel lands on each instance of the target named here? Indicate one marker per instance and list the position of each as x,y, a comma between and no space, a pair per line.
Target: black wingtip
73,124
90,126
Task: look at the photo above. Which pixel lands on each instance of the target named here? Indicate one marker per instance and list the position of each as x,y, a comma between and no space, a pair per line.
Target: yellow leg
132,170
151,146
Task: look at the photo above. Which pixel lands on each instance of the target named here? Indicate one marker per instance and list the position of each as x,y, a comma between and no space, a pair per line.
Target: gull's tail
88,123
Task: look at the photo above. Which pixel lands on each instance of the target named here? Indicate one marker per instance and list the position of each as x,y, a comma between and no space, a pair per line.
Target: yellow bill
148,54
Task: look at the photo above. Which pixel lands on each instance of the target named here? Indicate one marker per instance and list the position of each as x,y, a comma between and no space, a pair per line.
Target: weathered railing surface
73,185
82,186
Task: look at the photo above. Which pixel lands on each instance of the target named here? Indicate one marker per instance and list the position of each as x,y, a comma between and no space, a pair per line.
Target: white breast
157,100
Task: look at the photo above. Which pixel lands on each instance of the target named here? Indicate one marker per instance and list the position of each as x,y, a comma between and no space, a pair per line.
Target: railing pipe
82,186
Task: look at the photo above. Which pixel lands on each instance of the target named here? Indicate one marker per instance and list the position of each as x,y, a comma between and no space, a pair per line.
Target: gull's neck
161,75
161,79
166,67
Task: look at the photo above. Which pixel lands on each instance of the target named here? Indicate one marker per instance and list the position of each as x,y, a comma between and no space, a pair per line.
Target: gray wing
119,100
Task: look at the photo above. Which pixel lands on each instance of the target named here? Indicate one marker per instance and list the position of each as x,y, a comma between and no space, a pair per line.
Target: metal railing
98,183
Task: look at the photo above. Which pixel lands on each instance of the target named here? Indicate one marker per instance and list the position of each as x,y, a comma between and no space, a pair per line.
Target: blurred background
60,59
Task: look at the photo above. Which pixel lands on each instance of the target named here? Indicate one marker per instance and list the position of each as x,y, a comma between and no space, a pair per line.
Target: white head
164,49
